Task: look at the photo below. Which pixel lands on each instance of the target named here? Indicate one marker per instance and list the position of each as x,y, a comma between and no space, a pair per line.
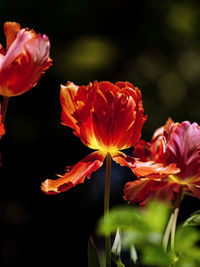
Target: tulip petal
145,169
76,175
144,189
11,30
183,148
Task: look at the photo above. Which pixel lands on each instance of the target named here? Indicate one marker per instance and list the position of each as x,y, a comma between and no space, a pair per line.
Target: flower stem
167,232
4,108
106,207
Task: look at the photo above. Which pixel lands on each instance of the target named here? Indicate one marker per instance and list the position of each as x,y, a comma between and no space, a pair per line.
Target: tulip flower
107,118
25,60
174,143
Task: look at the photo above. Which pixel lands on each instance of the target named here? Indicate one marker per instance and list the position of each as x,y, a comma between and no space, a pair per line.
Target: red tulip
106,117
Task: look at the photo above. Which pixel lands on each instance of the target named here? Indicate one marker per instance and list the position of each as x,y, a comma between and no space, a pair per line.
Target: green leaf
193,220
93,258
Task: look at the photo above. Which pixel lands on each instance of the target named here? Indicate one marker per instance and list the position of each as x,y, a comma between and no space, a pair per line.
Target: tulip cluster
107,118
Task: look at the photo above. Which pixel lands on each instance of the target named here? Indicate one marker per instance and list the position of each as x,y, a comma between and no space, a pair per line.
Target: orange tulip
106,117
25,60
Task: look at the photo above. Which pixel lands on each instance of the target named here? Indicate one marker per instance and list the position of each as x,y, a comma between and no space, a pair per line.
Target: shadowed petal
145,189
75,176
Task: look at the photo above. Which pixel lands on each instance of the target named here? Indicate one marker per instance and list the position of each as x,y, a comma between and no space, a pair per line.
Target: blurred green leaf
130,219
186,244
193,220
155,256
125,217
93,258
156,216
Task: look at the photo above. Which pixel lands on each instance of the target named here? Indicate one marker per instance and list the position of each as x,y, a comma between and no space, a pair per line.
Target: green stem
4,108
106,207
167,232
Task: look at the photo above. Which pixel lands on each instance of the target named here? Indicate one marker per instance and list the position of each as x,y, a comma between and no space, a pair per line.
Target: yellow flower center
178,181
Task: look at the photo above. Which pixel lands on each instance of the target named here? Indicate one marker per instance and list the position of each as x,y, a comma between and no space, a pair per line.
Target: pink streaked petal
16,48
38,47
145,169
75,175
183,148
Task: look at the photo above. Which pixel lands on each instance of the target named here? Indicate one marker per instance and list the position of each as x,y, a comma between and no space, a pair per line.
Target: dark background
153,44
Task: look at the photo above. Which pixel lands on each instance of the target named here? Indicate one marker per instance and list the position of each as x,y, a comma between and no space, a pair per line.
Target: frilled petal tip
145,169
154,170
142,190
75,176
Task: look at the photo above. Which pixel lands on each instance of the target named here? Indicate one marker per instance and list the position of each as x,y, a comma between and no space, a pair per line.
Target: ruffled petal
75,176
67,95
144,189
145,169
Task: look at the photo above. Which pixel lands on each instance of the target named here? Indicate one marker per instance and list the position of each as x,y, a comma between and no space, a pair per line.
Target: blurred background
153,44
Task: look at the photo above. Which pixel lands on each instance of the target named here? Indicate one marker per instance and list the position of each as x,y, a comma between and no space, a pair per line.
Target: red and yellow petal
106,116
75,176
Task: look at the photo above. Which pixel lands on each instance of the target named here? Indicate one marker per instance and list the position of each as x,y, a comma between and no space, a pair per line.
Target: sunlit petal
145,169
106,116
75,175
